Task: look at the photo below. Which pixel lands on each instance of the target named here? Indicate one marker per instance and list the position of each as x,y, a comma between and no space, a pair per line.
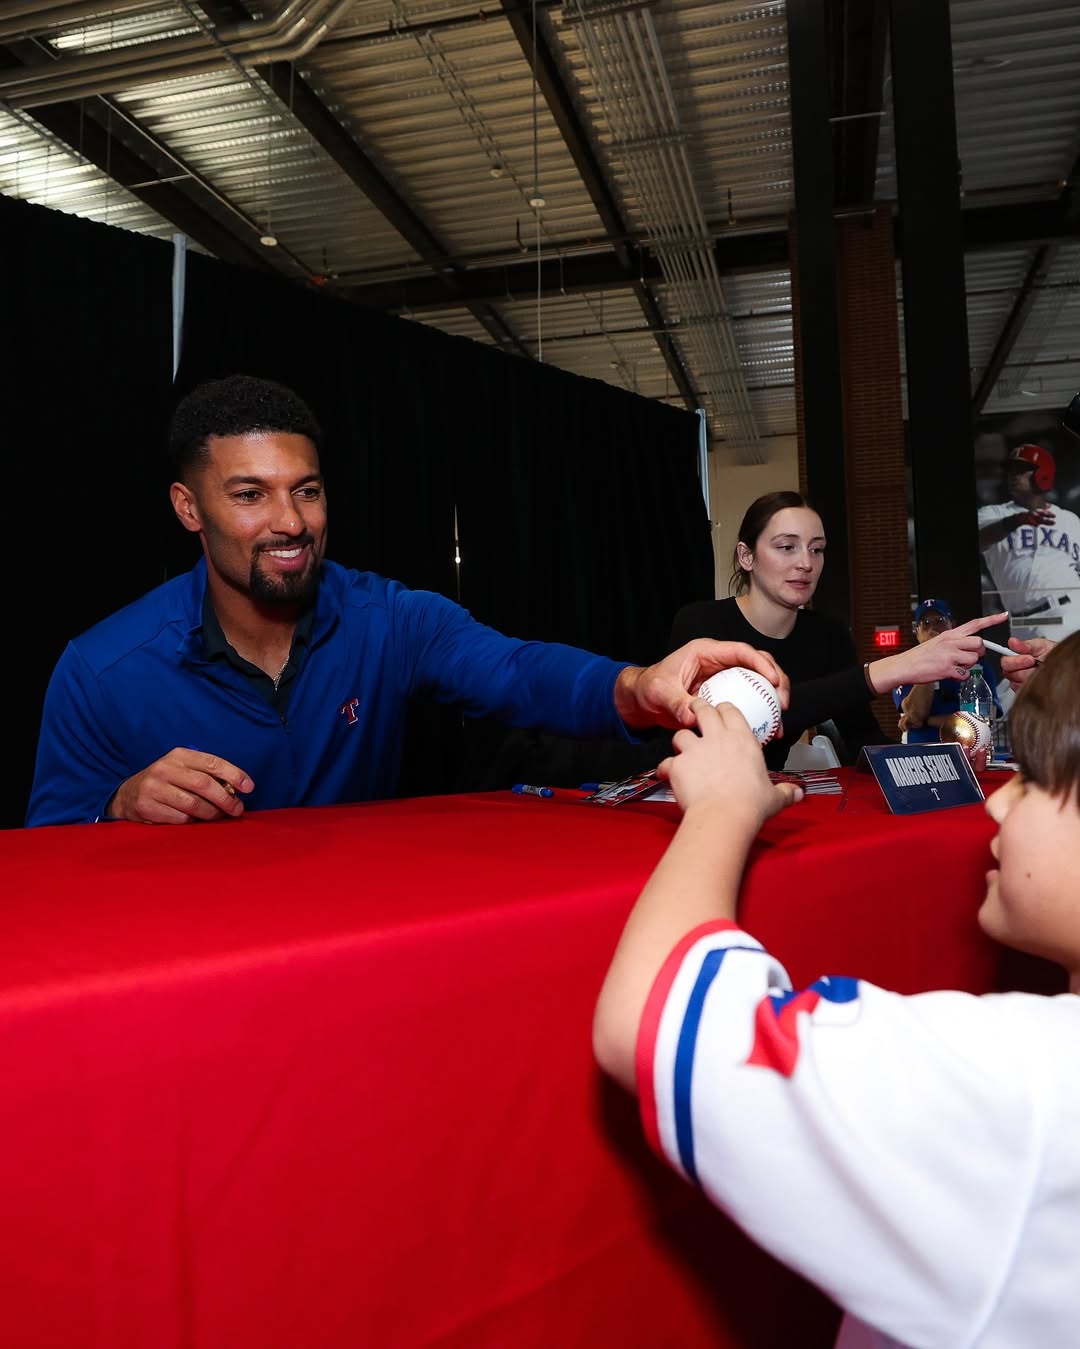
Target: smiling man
270,676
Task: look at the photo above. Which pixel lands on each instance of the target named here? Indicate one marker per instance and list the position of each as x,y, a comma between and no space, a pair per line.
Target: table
322,1078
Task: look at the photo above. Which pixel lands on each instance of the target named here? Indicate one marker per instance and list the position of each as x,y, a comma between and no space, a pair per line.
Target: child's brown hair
1044,722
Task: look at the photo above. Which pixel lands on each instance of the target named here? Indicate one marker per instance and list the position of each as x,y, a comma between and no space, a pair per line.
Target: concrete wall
733,486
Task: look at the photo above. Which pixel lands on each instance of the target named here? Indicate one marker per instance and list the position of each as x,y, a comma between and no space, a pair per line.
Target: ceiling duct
290,35
45,14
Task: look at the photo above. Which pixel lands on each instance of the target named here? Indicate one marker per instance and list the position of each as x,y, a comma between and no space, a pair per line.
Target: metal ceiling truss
288,35
514,276
147,169
661,240
538,53
323,127
1068,211
626,64
101,133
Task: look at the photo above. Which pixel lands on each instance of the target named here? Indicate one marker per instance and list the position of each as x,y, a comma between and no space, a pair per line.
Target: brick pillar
874,434
874,458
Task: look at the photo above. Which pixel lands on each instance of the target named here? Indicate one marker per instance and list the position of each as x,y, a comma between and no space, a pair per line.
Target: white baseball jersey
1037,565
915,1157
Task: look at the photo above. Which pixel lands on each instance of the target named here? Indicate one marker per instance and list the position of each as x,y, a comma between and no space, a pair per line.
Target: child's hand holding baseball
721,764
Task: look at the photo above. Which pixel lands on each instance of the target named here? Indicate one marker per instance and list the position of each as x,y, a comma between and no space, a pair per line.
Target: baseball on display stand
751,693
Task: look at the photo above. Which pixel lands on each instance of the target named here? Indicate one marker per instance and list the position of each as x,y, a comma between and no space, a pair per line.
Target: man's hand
1028,654
660,694
182,787
1039,515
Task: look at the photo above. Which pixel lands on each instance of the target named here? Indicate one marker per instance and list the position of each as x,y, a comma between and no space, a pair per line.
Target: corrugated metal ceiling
401,153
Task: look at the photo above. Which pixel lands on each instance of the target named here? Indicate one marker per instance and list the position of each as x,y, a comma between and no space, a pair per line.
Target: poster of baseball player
1027,472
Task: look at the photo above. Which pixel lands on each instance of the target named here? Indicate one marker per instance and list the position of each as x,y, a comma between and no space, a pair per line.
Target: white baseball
751,693
982,730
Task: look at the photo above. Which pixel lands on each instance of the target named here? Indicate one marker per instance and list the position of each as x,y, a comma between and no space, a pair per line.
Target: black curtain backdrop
582,520
580,514
87,360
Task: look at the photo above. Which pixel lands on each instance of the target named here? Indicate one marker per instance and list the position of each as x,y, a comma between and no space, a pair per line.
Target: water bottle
976,698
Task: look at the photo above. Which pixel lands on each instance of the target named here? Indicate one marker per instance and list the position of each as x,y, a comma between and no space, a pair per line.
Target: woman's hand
949,655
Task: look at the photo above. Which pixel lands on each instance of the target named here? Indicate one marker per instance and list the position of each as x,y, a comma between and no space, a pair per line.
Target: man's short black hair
237,405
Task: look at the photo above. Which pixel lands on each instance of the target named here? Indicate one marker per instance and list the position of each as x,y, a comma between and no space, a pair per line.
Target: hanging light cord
537,198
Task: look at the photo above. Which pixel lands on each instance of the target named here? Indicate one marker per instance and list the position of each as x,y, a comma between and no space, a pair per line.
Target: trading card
632,788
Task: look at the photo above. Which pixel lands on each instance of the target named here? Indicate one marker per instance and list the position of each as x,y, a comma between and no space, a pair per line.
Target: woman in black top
776,566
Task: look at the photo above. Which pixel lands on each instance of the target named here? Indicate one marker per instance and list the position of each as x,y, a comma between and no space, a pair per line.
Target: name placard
914,778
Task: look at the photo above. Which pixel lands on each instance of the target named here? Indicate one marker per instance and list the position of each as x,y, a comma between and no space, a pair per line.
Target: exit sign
885,637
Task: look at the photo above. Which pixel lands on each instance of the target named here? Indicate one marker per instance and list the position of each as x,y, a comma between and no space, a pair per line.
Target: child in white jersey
916,1157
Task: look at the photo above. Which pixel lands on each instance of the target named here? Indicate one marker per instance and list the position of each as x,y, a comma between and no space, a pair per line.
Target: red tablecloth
322,1078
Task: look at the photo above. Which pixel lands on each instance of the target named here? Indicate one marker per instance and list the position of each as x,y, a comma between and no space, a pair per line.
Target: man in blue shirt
269,676
923,707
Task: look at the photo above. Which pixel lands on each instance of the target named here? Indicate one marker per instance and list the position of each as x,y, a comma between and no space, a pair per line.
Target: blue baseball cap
939,606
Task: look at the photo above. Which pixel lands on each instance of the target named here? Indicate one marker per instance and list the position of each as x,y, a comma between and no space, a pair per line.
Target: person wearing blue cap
923,707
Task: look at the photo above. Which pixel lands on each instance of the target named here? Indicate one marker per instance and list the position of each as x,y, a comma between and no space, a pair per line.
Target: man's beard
292,590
